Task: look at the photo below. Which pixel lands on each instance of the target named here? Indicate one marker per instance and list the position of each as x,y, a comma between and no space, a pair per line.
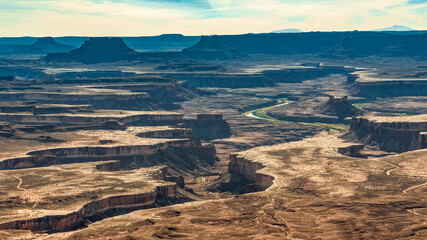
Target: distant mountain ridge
210,47
48,44
288,30
42,45
395,28
336,45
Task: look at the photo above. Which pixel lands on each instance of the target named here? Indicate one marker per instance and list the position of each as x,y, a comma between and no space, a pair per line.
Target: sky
202,17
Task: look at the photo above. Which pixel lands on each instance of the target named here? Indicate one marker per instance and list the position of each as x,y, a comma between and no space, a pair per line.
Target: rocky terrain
258,136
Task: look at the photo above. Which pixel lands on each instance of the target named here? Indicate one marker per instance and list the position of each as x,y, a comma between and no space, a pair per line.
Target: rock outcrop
109,166
340,107
249,169
352,151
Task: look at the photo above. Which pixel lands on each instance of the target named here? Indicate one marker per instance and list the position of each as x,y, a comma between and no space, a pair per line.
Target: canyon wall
390,136
89,118
185,153
392,88
131,101
249,169
28,162
103,207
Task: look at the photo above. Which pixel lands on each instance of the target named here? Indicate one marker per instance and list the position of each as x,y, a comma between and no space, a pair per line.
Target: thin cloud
153,17
417,1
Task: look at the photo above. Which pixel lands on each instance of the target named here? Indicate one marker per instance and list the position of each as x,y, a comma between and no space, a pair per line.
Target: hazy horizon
204,17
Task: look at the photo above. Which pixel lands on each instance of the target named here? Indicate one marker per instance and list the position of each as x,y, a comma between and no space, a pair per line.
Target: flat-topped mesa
394,134
338,106
366,84
210,47
96,50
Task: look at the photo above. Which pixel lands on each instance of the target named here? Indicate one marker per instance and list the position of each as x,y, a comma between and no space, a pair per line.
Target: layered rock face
96,50
391,88
182,149
131,101
249,169
169,133
122,93
392,134
99,207
92,118
28,162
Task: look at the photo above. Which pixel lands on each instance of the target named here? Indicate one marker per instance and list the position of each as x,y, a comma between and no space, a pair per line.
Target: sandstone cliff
249,169
390,134
109,206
